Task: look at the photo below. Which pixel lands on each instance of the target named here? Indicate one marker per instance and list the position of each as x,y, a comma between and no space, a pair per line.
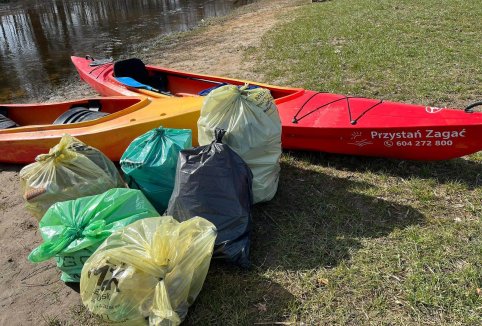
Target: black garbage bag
214,182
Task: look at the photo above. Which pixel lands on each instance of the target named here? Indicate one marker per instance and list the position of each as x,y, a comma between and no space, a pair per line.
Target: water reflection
38,37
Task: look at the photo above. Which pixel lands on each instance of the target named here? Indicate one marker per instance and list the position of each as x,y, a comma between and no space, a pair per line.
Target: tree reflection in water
38,38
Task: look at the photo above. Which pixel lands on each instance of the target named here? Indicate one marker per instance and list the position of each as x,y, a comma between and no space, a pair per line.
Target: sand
33,293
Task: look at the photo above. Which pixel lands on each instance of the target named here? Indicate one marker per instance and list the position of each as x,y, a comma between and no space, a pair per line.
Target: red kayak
311,120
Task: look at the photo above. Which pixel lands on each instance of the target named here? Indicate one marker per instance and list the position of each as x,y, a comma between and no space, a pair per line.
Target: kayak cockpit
85,112
158,82
183,83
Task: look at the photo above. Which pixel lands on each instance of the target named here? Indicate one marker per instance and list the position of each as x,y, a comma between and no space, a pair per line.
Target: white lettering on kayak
445,134
396,135
428,133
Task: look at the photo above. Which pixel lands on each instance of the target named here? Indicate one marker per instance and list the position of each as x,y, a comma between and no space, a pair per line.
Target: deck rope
296,119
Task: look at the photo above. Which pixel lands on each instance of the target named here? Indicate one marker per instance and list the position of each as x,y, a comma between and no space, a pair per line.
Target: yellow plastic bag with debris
253,130
70,170
150,270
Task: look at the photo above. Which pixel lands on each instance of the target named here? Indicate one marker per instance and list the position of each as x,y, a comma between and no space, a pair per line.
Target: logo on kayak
357,140
432,109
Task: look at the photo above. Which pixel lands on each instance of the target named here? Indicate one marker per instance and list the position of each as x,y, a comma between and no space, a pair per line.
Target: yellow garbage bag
153,268
70,170
253,130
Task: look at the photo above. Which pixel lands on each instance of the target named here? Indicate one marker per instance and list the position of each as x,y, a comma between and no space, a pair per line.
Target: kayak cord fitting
346,98
355,121
295,119
470,107
104,65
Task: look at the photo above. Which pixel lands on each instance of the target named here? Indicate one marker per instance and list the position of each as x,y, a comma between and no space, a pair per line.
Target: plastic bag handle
219,134
49,249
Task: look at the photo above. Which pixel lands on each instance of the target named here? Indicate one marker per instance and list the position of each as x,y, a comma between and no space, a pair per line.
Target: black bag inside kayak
136,69
214,182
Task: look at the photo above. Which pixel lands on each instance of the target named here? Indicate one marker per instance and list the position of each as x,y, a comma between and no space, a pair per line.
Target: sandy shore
33,293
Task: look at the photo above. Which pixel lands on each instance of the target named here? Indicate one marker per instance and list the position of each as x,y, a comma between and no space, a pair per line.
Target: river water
37,37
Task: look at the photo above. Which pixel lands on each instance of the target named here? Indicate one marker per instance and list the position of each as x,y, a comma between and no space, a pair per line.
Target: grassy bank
350,241
421,51
360,240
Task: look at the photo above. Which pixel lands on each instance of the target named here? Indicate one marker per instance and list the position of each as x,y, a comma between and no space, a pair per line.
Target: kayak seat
5,122
81,113
136,69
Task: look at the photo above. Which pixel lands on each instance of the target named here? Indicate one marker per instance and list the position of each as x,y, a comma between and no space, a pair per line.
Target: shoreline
217,46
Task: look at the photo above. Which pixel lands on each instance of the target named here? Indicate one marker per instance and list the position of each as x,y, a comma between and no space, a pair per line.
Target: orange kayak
27,130
117,121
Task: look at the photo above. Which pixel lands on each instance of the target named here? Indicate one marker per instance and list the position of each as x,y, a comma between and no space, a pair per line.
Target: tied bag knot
219,134
160,131
51,248
59,152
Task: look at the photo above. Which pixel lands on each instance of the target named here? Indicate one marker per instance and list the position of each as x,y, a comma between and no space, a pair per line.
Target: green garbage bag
253,131
72,230
70,170
149,163
153,268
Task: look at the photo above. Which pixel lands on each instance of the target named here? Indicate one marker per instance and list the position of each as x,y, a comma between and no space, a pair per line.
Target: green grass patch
407,50
374,241
365,240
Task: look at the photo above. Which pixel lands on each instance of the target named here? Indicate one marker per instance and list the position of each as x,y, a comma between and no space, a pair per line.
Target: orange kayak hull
129,118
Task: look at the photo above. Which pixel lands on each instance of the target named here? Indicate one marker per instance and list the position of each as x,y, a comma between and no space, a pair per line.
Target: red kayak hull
335,123
359,126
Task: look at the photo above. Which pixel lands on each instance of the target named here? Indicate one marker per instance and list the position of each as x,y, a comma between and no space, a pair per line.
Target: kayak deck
359,126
